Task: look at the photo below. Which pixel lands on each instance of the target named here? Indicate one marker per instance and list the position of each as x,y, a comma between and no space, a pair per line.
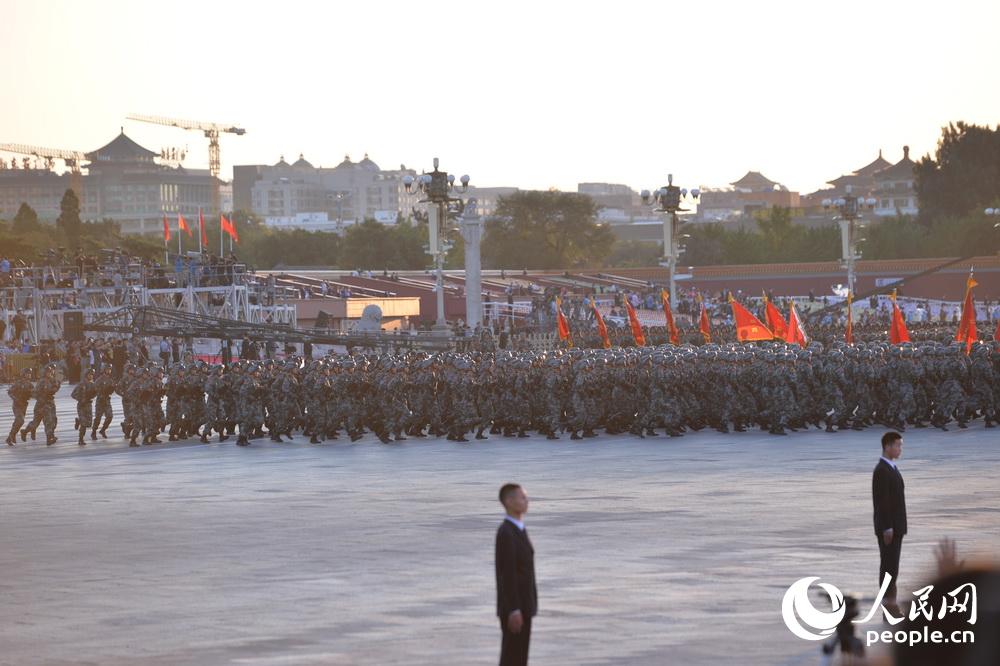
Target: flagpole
201,230
179,251
222,249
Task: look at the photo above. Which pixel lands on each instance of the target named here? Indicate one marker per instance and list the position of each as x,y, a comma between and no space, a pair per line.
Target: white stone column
472,233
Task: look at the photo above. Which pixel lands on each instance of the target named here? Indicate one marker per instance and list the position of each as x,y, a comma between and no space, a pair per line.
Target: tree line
561,230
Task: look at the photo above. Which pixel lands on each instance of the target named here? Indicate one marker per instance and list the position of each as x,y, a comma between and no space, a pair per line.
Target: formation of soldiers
773,386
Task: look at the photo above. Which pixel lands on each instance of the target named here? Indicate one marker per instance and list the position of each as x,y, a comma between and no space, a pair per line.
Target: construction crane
72,159
211,131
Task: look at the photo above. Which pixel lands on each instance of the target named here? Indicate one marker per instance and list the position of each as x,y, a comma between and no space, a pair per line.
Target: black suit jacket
515,568
888,499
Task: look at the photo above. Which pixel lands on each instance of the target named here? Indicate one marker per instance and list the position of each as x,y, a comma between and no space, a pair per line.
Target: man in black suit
517,596
890,513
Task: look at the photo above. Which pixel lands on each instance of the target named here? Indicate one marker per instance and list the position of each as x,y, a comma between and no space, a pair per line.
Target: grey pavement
655,551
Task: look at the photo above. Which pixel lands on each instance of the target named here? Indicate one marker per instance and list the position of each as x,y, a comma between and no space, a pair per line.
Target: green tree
26,219
533,229
69,219
964,174
367,245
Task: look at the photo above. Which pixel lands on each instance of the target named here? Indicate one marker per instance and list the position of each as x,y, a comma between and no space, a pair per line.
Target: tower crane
211,132
72,159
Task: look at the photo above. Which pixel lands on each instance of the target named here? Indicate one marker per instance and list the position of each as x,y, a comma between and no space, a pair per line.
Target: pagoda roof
901,170
877,164
121,149
756,181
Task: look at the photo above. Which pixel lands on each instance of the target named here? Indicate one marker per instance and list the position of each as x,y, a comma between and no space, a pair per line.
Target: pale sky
529,94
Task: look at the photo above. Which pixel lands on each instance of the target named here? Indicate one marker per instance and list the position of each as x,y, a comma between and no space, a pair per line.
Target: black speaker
73,326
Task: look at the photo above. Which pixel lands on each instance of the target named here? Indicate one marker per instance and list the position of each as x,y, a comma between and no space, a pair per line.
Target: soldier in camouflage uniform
104,387
45,406
84,394
20,392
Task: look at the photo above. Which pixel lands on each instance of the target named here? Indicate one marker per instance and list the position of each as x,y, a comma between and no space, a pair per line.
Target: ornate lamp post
850,209
991,212
668,200
437,187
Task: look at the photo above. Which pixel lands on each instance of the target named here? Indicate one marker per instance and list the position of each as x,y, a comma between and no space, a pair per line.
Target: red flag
795,331
562,324
748,327
166,229
181,224
849,335
897,330
704,325
967,332
201,225
229,228
675,337
602,328
775,321
633,320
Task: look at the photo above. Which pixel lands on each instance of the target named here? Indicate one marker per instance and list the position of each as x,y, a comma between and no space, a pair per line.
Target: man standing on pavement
890,513
517,596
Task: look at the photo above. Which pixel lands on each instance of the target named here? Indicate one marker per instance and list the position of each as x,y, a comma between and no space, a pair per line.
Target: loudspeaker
73,326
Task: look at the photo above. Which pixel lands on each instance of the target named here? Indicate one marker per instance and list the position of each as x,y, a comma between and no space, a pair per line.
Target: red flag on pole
775,321
633,320
704,325
166,229
229,228
748,327
897,329
562,324
602,328
675,337
182,224
967,332
795,331
201,225
849,335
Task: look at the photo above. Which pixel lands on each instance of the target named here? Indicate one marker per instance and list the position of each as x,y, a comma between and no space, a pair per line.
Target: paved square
648,551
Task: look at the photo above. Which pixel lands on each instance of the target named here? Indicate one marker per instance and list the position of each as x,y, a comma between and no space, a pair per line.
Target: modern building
347,193
123,183
487,198
751,193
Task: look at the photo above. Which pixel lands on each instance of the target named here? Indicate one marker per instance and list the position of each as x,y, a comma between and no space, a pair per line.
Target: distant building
487,198
123,183
620,204
896,188
304,221
893,186
347,193
753,192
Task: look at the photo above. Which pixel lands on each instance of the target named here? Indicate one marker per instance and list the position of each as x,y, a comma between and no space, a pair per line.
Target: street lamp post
850,208
437,187
993,212
668,200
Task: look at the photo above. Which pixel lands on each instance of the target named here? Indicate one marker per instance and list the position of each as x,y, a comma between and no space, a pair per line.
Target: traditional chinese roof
877,164
901,170
122,149
755,181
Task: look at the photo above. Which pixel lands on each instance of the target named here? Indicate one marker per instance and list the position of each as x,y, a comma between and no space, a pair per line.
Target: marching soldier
84,394
20,392
104,386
